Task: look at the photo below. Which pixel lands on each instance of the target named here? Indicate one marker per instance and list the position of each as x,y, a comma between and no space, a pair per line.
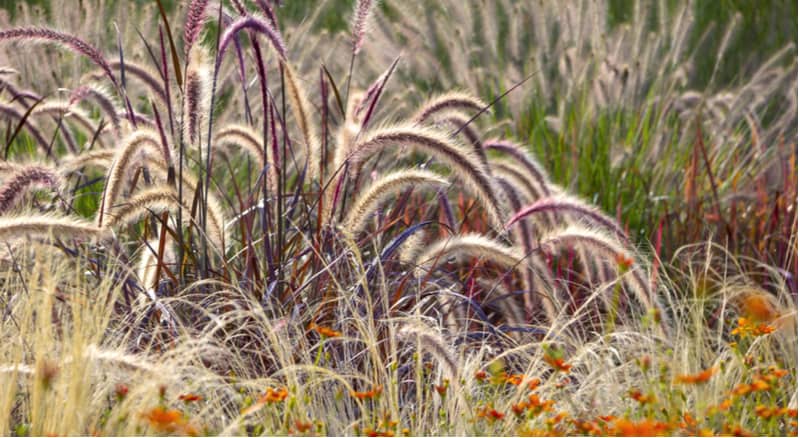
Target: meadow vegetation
442,218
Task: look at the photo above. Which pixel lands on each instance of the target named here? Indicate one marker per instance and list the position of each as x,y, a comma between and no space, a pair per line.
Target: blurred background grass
767,25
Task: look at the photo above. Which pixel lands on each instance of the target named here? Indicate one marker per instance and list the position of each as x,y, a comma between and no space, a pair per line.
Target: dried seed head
23,180
195,16
463,163
381,190
197,99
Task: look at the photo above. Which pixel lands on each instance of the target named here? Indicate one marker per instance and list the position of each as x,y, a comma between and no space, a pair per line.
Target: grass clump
263,244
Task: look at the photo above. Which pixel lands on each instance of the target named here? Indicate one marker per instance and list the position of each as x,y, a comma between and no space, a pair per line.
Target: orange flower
756,305
556,418
623,261
164,420
736,430
642,398
372,393
764,329
647,427
514,379
519,408
490,414
741,389
777,372
745,327
188,398
326,332
274,395
374,433
693,379
688,420
557,363
481,375
765,412
534,383
588,427
563,382
442,389
121,390
537,405
759,385
725,405
302,426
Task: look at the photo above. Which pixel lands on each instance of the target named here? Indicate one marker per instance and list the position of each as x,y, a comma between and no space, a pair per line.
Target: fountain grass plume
22,180
469,245
434,344
516,173
345,140
464,165
564,203
388,185
16,93
159,169
197,98
250,142
345,137
135,70
102,98
301,108
71,42
158,199
135,142
266,8
523,234
523,158
454,100
599,243
99,158
63,109
216,213
195,16
259,25
10,166
46,226
458,121
147,266
244,137
361,16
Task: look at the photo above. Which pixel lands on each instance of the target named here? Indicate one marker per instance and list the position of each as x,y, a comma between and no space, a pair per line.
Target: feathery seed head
197,99
24,179
195,16
73,43
463,163
454,100
469,245
381,190
360,22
